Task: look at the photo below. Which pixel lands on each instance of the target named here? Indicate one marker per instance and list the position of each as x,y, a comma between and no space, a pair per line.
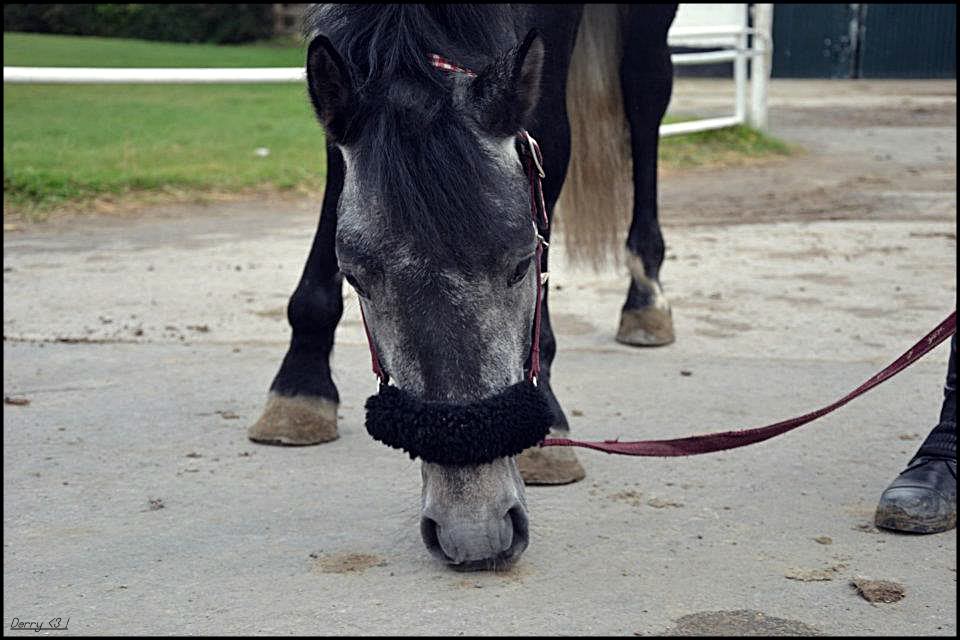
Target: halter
533,160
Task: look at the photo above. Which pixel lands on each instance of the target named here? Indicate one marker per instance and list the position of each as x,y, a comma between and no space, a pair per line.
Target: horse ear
330,85
505,93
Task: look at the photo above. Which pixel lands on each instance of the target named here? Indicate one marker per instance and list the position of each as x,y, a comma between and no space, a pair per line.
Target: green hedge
214,23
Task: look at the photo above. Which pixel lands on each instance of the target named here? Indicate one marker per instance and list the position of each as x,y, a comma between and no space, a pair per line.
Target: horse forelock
418,156
436,184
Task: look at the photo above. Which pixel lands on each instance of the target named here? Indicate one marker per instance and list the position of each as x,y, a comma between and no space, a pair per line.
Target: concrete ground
134,504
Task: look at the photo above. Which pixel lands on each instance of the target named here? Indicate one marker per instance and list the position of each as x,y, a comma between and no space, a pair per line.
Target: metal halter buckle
535,154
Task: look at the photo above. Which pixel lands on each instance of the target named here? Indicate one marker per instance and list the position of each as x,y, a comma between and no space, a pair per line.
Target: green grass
718,148
68,144
43,50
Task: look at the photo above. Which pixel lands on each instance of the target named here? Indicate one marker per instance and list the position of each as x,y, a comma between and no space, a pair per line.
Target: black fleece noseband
460,434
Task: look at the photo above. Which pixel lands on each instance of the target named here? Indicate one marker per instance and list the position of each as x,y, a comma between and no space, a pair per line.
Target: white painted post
740,72
761,63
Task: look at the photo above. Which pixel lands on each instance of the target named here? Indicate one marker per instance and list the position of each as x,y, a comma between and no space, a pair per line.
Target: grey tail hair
596,203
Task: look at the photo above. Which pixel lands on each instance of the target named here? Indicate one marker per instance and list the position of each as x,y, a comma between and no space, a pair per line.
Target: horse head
434,233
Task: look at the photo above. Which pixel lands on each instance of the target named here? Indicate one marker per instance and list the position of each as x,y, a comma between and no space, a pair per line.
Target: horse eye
356,286
522,267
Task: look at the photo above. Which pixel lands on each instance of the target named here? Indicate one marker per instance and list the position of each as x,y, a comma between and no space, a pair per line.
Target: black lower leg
302,408
646,79
316,305
645,239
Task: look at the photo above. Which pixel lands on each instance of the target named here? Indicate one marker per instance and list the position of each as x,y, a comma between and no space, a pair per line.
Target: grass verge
732,146
65,145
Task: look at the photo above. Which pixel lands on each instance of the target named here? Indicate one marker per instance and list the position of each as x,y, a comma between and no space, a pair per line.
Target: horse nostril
430,532
521,531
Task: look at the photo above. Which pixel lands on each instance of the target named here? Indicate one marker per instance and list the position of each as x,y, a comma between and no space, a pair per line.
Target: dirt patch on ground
879,590
631,497
742,622
815,575
276,313
658,503
345,562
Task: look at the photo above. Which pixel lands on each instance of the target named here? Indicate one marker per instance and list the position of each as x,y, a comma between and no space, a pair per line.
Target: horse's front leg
646,76
552,465
302,405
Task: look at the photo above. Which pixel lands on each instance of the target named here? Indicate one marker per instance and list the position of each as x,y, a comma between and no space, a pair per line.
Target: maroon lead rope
710,442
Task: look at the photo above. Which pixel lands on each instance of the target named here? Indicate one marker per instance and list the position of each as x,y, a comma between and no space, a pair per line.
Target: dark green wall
813,41
909,41
864,40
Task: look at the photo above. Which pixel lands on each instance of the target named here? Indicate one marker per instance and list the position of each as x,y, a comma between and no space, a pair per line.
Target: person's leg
923,498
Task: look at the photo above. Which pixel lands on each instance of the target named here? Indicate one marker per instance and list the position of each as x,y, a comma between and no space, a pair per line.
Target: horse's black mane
419,156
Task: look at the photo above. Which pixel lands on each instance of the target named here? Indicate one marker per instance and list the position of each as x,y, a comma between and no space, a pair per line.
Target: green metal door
814,40
865,41
908,41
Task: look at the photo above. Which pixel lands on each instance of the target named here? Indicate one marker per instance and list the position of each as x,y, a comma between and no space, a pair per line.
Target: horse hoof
550,465
295,420
647,327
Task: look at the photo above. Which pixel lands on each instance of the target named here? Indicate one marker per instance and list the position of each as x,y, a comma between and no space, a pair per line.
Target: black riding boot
923,498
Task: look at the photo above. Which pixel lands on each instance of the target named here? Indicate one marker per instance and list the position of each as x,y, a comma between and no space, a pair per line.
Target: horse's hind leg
302,405
646,76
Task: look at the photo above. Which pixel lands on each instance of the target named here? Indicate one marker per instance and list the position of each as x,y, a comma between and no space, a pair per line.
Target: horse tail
596,203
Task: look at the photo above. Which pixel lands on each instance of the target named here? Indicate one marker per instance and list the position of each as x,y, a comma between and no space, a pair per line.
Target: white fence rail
738,53
734,48
87,75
